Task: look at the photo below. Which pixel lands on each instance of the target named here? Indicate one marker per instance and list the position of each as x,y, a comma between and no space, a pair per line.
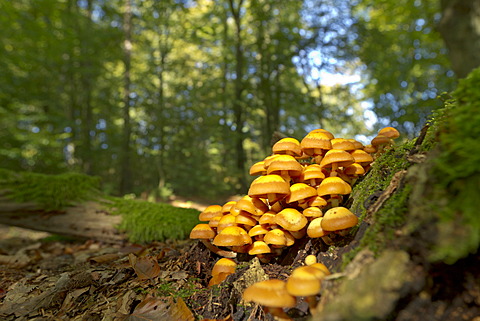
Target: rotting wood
88,220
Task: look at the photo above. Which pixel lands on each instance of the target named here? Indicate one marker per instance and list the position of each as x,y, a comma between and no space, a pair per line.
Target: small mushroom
271,187
287,146
272,295
334,186
222,268
338,219
336,158
306,281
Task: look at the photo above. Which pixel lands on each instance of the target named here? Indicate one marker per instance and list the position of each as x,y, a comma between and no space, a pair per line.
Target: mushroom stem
272,198
278,314
333,173
312,303
216,250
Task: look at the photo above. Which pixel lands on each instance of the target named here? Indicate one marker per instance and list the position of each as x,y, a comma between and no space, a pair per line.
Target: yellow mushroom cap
321,267
389,132
310,259
337,156
225,221
224,265
258,230
315,229
270,293
232,236
300,191
228,206
313,171
245,219
285,163
304,281
362,157
312,212
334,186
317,201
202,231
338,218
264,186
356,143
354,170
342,143
315,143
259,247
275,237
258,169
291,219
323,131
267,218
288,146
253,206
210,212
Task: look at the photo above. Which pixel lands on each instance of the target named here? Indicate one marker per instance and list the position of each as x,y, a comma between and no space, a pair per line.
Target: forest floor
48,277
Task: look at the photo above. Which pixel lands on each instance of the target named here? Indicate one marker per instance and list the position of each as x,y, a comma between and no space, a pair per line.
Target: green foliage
145,222
457,174
405,58
54,192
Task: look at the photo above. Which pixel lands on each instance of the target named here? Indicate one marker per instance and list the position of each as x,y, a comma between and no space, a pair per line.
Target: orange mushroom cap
202,231
338,218
288,146
291,219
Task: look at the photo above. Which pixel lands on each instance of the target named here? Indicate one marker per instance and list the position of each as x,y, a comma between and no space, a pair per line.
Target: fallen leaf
228,318
155,309
146,267
104,258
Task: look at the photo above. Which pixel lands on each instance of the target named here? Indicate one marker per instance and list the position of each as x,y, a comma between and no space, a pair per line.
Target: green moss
457,174
142,221
389,218
53,192
145,222
380,175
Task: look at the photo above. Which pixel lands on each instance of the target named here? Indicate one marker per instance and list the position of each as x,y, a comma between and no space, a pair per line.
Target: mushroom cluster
274,295
298,192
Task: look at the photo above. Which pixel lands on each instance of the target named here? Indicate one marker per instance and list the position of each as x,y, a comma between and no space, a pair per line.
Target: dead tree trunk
89,220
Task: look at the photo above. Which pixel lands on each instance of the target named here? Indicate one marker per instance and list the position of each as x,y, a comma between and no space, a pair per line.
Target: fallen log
90,220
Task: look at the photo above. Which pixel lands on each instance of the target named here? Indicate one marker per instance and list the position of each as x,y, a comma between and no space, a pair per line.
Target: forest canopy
182,97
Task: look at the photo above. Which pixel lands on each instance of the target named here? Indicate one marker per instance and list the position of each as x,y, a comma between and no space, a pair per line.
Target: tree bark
89,220
460,29
126,172
238,109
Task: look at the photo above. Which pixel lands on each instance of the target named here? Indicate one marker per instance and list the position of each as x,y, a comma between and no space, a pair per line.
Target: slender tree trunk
460,29
239,88
86,80
126,171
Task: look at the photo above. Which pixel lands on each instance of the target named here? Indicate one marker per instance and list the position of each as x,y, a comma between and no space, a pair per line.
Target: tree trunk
89,220
460,29
126,172
239,88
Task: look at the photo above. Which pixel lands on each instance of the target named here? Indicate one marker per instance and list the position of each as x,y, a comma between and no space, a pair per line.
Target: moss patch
142,221
456,174
52,192
145,222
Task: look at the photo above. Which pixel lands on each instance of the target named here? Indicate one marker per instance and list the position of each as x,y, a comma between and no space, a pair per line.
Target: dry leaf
228,318
154,309
146,267
104,258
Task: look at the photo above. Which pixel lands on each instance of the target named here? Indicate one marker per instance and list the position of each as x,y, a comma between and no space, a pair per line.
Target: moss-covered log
72,205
